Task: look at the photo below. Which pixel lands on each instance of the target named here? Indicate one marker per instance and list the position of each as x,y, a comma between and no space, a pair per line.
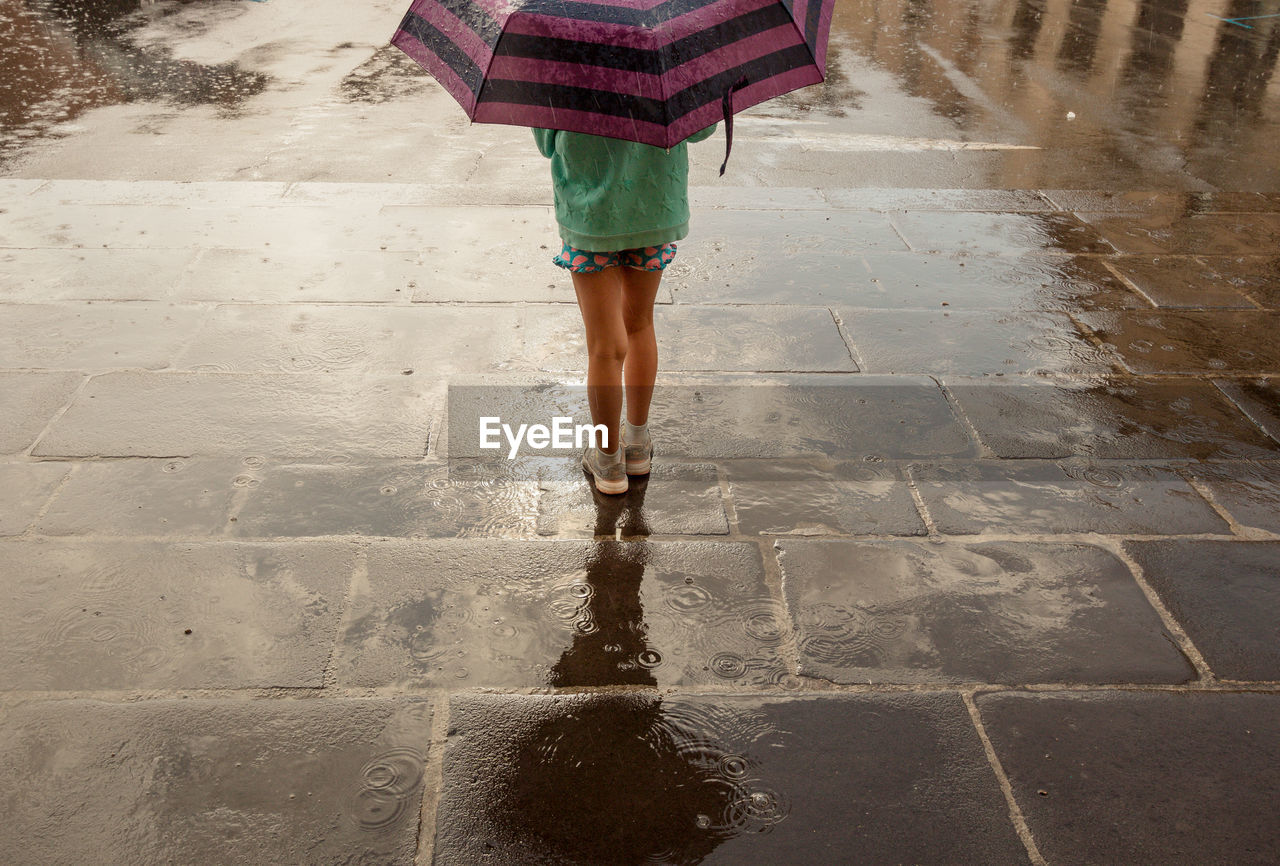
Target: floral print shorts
579,261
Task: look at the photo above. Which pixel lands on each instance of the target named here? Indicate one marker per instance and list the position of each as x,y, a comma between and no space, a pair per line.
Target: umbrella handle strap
727,103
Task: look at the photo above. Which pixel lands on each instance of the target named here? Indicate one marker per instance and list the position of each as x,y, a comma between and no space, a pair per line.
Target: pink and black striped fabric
653,71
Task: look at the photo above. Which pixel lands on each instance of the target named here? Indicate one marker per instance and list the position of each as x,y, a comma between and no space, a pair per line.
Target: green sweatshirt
618,195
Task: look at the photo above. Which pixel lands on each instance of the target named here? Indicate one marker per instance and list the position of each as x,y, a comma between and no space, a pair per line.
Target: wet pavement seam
433,782
1206,493
922,507
1016,817
56,416
971,430
1175,629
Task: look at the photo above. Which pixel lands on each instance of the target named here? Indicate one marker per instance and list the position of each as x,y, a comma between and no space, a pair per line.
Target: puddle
60,58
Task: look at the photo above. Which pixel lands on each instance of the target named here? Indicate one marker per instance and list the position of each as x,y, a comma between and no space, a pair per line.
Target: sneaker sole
638,467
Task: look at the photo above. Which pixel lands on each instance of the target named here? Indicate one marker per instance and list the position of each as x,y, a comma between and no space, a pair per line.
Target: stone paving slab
127,615
1259,399
192,194
287,276
94,336
392,498
368,226
1148,202
28,402
27,487
708,418
674,499
1190,341
1125,777
999,233
1193,282
840,498
1226,594
41,275
432,341
968,200
796,231
994,612
971,343
1250,492
711,338
1208,234
542,779
465,613
1141,420
129,414
201,781
1038,496
175,497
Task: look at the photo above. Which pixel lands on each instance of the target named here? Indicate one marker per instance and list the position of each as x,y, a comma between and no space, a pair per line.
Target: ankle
634,432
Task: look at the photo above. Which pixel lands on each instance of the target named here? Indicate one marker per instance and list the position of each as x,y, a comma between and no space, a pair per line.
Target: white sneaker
607,470
638,454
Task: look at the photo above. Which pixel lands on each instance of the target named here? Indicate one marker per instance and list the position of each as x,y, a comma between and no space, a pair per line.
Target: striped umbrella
653,71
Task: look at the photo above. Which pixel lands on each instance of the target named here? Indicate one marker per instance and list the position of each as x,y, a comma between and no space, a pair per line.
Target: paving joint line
433,780
1181,639
1006,787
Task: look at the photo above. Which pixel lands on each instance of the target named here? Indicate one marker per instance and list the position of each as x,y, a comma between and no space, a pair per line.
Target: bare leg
639,290
600,301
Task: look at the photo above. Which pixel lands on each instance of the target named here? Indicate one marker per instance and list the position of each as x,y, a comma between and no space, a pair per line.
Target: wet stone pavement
922,584
962,540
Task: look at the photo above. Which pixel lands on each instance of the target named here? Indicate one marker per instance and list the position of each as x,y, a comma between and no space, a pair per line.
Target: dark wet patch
1001,612
95,336
393,498
999,233
27,487
111,614
1140,203
60,58
508,614
388,75
1226,594
28,401
1210,234
1035,496
1250,492
843,498
971,342
1190,341
1259,399
235,781
173,497
1188,281
643,778
1110,420
279,415
1123,777
674,499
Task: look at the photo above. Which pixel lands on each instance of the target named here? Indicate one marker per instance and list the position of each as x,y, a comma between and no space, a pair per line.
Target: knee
608,350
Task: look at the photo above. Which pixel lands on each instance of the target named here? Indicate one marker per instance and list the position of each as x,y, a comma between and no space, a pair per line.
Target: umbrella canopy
652,71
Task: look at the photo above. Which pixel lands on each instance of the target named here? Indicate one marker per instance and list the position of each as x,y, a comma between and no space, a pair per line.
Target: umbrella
652,71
